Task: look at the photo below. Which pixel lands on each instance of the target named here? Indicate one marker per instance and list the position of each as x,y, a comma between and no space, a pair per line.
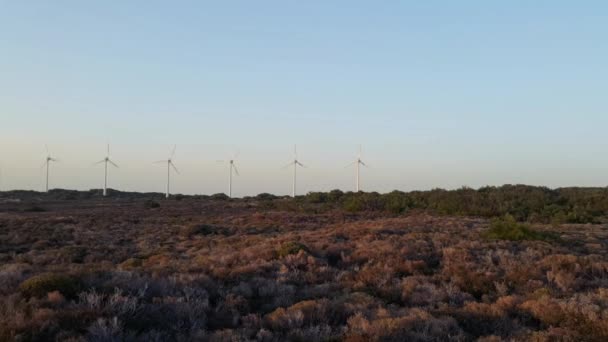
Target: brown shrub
55,297
197,229
322,276
291,247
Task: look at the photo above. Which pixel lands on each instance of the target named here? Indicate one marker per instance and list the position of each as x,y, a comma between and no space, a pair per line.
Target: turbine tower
231,167
106,160
46,164
295,164
170,165
358,162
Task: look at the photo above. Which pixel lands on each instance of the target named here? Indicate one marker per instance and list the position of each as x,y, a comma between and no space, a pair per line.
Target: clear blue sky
440,93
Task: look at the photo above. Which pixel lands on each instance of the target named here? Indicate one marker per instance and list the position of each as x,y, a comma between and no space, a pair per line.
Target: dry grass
218,270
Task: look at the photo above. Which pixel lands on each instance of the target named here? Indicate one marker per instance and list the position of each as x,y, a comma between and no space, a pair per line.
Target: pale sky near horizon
439,93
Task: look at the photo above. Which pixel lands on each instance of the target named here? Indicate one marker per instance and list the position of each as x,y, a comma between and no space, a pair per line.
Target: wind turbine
358,162
170,165
106,160
46,164
231,166
295,164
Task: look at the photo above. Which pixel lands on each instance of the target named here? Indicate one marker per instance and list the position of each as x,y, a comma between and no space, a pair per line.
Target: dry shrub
563,271
305,274
283,320
75,254
415,324
556,334
483,319
292,247
583,313
197,229
150,204
474,282
11,275
412,267
418,291
55,297
131,263
305,313
158,260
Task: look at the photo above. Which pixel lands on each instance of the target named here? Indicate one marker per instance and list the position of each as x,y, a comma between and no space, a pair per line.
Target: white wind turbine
47,163
231,167
358,162
170,165
295,164
106,160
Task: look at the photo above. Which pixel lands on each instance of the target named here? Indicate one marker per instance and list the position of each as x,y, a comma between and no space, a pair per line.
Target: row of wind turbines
232,169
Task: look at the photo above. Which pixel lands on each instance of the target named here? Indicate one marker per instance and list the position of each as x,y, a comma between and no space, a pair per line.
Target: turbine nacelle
106,161
46,164
357,164
295,164
170,166
231,167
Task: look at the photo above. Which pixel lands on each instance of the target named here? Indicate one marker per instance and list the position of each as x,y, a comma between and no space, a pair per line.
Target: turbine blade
113,164
288,165
43,165
236,170
47,149
99,162
236,154
362,163
220,161
108,152
174,168
351,164
302,165
159,161
173,151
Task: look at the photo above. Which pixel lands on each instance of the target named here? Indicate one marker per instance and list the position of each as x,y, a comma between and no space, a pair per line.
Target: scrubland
356,267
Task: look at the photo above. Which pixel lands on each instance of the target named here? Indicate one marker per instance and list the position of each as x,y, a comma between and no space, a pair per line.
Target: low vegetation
508,228
289,248
512,263
42,284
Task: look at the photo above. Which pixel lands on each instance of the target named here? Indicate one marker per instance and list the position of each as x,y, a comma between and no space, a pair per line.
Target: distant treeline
525,203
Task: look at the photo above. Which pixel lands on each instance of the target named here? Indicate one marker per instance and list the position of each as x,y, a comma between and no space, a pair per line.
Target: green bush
220,197
525,203
335,195
508,228
40,285
353,204
363,201
394,202
291,247
316,197
265,197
